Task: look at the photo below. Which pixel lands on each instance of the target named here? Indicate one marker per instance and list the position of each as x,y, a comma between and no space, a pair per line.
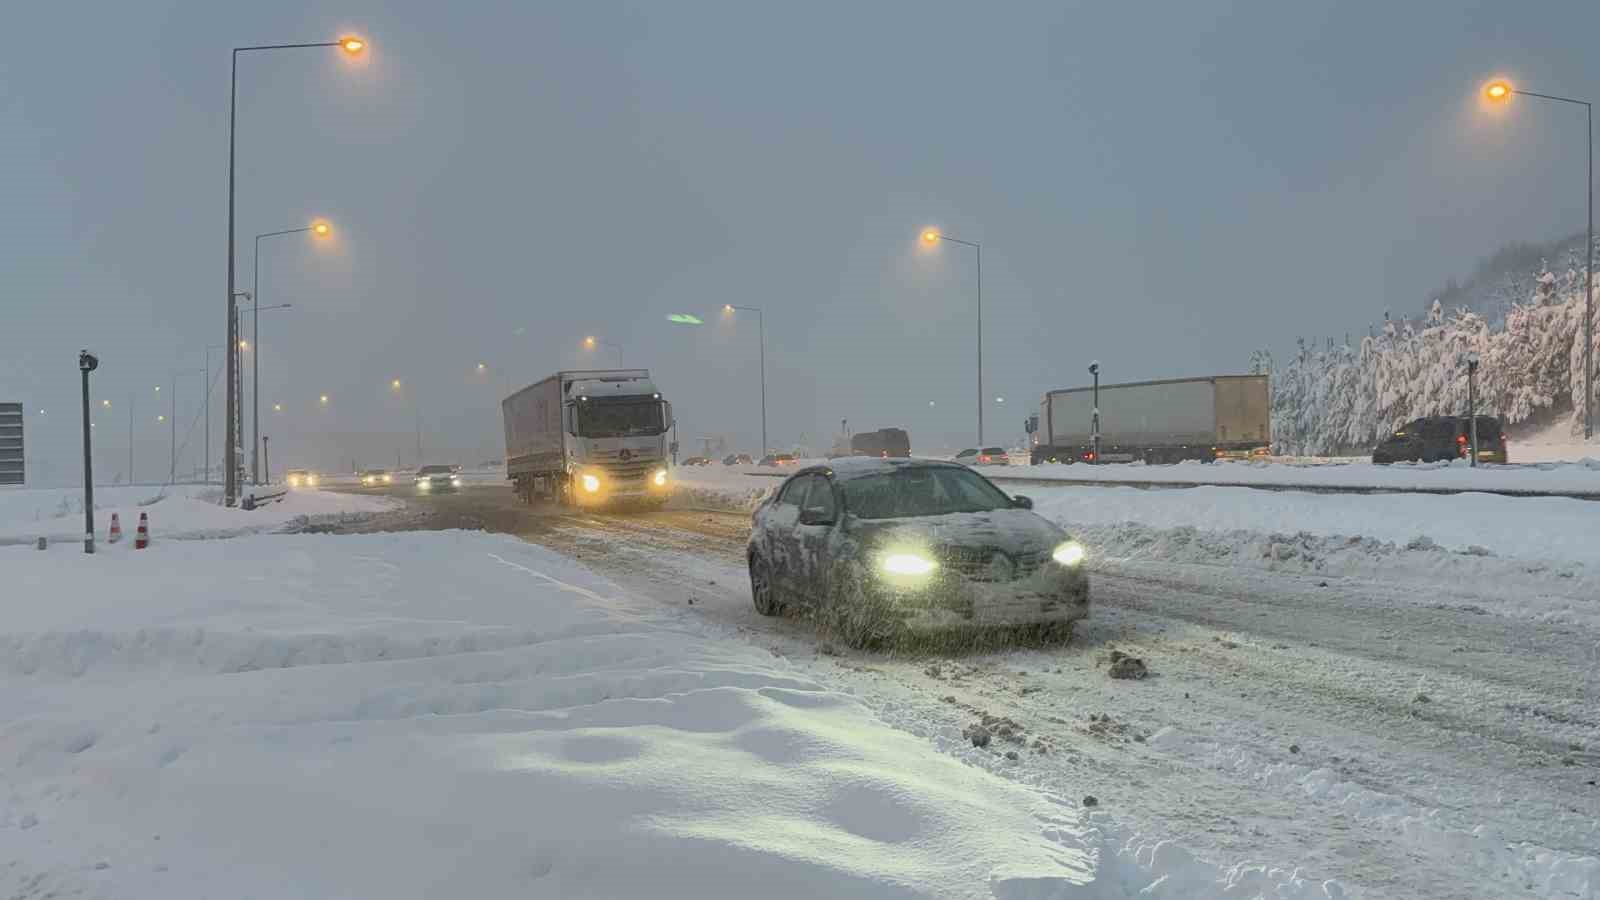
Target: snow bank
738,488
453,713
1580,477
178,512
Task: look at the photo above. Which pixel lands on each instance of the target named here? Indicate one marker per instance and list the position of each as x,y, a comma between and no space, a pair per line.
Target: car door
819,515
781,520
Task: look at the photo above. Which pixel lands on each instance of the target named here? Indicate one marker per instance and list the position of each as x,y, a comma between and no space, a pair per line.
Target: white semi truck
1214,417
589,438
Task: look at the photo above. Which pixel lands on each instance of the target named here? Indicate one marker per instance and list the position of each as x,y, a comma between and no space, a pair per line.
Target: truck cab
617,440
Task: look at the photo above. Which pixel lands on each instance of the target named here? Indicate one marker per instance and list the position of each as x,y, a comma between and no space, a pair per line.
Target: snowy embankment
1581,477
1464,534
175,512
433,713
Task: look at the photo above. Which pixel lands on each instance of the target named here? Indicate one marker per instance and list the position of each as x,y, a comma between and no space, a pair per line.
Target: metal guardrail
262,495
1312,488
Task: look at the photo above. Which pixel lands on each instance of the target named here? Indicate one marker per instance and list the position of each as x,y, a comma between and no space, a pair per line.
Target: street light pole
932,236
1499,92
761,328
230,493
320,229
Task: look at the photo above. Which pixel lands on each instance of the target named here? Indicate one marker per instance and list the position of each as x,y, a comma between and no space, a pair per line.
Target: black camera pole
87,363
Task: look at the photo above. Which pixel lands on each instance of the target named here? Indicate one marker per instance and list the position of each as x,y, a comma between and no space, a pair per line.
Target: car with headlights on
434,479
297,478
697,461
376,478
878,547
738,459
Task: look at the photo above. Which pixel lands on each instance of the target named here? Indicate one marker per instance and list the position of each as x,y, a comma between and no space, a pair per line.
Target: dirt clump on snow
1102,727
977,734
1125,666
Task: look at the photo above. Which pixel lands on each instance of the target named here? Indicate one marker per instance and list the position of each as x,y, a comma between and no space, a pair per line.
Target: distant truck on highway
589,438
1215,417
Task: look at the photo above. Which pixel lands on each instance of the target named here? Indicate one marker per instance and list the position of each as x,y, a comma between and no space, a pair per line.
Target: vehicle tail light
983,459
1461,439
1502,439
1089,456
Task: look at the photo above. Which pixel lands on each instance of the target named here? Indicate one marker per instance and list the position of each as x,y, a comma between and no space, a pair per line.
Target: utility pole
1472,403
266,463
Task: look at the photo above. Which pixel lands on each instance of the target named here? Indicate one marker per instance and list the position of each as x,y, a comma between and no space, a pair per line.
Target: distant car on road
738,459
1442,438
697,461
984,456
375,477
301,478
876,546
431,479
773,460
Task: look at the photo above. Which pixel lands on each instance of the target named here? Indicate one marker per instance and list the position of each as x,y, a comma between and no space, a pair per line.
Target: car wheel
761,588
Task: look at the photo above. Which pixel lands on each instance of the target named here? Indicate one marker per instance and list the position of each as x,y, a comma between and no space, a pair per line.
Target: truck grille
979,563
637,468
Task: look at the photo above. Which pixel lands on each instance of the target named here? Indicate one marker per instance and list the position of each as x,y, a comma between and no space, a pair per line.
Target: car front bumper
1054,594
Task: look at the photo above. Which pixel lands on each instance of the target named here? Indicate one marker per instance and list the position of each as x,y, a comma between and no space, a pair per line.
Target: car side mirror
815,517
1021,502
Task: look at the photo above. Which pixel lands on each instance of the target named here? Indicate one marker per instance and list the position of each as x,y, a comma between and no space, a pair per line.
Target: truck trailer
589,437
1209,418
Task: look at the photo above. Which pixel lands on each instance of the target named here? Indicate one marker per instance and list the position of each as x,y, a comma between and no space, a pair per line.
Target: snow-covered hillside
1340,397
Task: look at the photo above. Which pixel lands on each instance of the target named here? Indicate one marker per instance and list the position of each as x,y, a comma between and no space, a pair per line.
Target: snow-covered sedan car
437,478
874,547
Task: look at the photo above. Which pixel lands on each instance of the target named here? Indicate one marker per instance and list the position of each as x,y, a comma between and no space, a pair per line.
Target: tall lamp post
350,45
931,237
761,326
1502,92
318,229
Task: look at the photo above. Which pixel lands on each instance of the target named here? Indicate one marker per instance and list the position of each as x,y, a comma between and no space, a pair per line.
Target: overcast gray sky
1161,186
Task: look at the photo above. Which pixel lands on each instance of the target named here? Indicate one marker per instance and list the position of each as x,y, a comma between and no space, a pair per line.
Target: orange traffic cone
141,538
116,528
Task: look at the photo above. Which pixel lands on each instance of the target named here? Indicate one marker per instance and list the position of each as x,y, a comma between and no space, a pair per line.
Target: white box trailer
1217,416
589,436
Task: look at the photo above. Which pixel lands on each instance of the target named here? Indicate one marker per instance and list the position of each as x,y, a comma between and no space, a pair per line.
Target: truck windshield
619,418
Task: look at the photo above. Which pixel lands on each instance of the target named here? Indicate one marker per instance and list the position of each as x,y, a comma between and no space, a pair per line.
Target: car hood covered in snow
1011,530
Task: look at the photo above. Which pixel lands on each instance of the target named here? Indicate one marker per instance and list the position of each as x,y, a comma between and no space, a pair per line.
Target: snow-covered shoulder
431,713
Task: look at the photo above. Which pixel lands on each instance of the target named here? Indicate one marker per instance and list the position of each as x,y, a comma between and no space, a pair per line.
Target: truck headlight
660,478
1068,554
455,481
591,483
906,564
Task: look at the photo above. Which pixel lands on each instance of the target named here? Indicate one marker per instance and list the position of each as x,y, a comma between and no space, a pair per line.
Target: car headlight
455,481
424,483
1068,554
591,483
660,478
387,479
906,564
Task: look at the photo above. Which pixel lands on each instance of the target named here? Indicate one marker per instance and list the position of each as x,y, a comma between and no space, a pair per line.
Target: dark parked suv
1438,438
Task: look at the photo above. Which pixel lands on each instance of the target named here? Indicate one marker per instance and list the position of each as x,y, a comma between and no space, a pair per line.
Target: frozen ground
176,512
458,714
1582,476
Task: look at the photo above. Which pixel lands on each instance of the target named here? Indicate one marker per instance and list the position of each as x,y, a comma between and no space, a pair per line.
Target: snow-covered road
1410,721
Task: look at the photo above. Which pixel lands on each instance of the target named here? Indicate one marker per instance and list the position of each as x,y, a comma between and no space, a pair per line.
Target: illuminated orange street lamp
1503,92
352,45
931,237
591,343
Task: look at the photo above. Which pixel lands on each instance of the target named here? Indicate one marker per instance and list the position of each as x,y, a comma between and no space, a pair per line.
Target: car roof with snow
846,468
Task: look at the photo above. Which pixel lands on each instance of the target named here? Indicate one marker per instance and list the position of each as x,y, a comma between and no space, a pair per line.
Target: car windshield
619,418
994,451
433,470
921,491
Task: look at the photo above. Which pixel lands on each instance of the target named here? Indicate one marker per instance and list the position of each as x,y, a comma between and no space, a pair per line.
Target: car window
819,499
994,451
921,491
1439,428
966,453
794,491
